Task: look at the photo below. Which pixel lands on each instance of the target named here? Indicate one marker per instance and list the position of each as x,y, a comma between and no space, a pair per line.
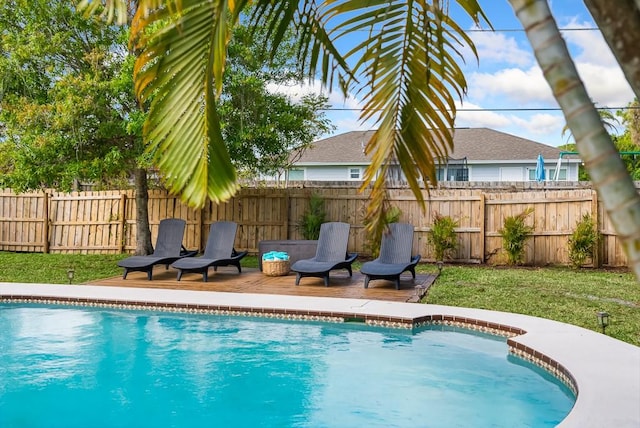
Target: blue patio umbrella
540,175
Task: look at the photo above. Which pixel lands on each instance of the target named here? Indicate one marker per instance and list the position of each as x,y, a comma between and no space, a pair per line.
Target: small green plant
515,233
392,215
583,241
442,236
313,218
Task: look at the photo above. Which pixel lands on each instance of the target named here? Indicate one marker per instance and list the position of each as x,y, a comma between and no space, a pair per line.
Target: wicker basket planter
276,267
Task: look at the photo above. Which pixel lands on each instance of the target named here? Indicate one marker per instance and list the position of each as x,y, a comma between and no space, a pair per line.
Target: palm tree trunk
601,158
143,235
619,22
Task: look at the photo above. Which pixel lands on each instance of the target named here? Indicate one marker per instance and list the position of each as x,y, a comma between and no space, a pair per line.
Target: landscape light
603,320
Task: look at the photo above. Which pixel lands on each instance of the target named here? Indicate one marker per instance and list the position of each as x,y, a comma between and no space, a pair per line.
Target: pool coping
605,372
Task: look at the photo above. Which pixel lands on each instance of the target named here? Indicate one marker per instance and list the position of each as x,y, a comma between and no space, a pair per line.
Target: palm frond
317,55
410,63
179,70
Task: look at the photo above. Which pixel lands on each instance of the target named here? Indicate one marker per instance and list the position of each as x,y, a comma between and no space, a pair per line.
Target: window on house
296,174
354,173
561,177
458,174
455,170
549,173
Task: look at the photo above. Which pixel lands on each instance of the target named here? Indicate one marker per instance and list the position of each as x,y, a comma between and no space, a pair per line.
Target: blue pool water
77,367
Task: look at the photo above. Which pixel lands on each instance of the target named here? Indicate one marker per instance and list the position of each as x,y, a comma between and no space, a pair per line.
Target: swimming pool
87,367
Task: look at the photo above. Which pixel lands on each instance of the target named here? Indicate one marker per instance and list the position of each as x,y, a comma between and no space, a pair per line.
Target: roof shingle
476,144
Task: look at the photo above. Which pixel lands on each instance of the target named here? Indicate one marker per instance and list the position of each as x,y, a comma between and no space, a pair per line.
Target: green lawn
559,294
556,293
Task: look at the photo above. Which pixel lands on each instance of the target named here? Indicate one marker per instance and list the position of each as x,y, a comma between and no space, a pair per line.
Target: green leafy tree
629,142
261,128
68,110
407,92
406,71
70,115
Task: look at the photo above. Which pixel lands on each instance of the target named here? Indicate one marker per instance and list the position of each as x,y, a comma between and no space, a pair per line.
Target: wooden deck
250,280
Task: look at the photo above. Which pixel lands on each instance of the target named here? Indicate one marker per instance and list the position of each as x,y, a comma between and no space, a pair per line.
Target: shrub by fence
104,222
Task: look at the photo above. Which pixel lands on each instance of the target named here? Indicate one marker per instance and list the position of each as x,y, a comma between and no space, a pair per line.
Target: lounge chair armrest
187,253
238,254
351,257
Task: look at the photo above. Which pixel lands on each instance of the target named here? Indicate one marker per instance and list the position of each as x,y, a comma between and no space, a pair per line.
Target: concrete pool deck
605,371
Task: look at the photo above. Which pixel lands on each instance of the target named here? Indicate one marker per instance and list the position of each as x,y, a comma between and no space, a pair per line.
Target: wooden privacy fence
104,222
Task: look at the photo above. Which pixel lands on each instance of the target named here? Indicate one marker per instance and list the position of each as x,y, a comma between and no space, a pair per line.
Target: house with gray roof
479,154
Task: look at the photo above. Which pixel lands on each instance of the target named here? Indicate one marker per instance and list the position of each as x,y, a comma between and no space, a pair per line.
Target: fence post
285,210
483,231
200,231
123,221
45,225
597,254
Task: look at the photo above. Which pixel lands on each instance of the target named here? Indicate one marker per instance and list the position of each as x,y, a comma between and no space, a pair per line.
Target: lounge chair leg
205,275
398,283
179,274
326,280
366,281
350,271
150,274
239,268
124,275
298,276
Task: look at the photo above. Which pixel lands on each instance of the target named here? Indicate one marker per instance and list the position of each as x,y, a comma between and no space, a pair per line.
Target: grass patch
52,268
559,294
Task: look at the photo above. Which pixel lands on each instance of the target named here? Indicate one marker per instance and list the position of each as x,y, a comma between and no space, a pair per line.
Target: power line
485,30
522,30
497,109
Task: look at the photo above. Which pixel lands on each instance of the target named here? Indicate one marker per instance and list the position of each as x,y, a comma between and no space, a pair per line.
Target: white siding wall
512,173
482,172
331,173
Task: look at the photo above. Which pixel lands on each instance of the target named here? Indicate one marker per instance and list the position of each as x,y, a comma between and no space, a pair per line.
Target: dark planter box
296,249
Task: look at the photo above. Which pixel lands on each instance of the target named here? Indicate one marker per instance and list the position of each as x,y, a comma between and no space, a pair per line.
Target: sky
506,76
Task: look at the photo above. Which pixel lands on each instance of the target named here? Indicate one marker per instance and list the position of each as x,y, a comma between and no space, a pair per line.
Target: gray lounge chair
168,249
218,252
331,253
395,256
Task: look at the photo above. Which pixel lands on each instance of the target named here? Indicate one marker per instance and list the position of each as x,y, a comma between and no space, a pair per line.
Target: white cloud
592,46
606,86
498,48
480,118
521,87
541,124
346,122
344,112
597,66
295,91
